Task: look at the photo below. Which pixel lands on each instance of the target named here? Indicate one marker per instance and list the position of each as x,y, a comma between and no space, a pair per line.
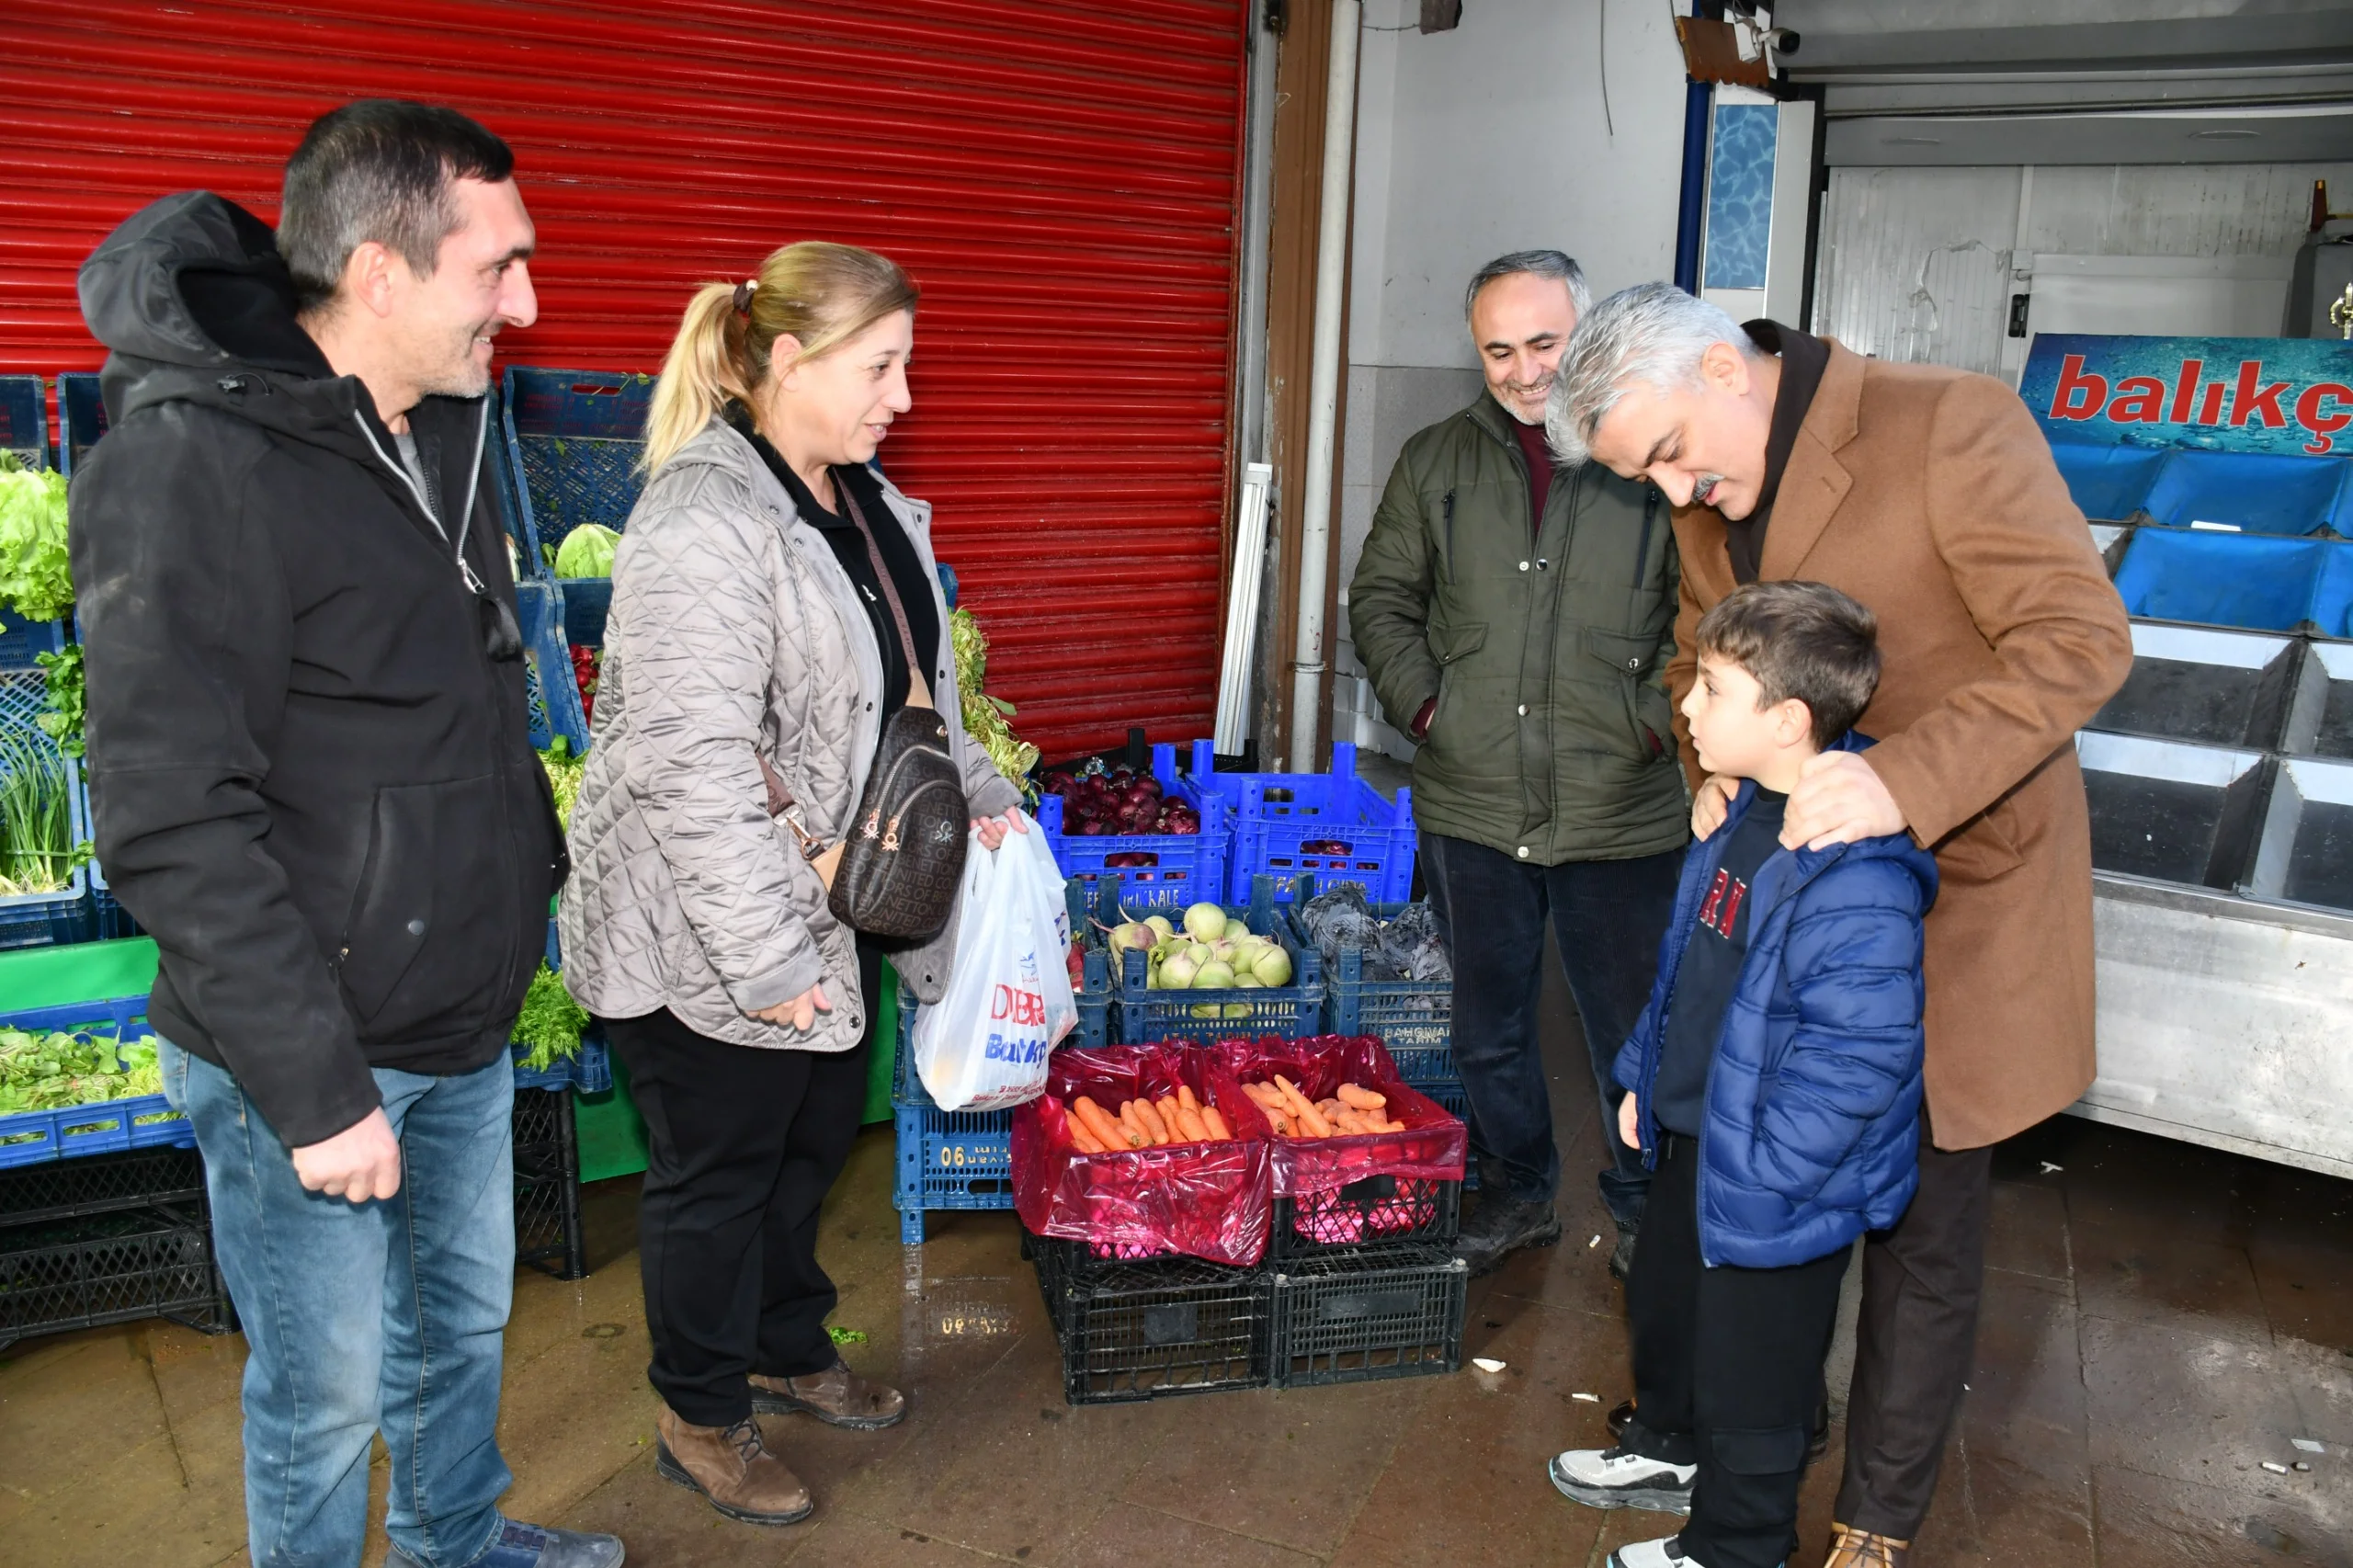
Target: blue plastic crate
41,919
1334,825
24,420
30,1137
1183,868
2108,483
2259,493
2255,582
81,419
1414,1018
553,694
572,444
948,1159
1141,1016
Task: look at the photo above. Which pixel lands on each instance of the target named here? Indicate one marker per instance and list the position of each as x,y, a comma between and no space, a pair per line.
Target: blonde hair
819,293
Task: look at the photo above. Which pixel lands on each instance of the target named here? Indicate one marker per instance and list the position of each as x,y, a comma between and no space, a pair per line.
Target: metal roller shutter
1061,180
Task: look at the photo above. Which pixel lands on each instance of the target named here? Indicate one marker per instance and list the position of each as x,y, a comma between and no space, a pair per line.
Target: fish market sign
2226,394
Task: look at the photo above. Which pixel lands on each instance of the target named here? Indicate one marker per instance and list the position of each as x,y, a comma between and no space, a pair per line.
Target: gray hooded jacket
732,630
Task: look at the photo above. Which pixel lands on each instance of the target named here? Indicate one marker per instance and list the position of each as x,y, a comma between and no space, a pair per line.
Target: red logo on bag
1017,1007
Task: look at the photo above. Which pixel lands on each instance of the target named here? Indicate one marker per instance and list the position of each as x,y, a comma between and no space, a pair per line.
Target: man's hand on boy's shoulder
1711,804
1839,799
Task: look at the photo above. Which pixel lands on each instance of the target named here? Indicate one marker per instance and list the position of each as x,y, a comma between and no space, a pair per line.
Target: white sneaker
1651,1554
1615,1478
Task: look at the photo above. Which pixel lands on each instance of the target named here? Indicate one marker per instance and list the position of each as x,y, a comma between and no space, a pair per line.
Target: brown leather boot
837,1396
1851,1548
730,1466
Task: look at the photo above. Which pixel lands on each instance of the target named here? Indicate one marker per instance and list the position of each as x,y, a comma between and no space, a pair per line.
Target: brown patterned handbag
903,858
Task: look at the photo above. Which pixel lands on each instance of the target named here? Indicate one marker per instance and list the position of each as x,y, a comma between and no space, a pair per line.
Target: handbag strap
917,685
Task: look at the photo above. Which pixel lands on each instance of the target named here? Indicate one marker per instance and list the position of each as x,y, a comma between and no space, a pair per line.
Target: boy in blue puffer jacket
1776,1094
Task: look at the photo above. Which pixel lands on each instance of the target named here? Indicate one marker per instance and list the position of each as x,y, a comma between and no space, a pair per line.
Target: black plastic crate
547,1184
1357,1314
1379,1211
99,1183
108,1238
1131,1331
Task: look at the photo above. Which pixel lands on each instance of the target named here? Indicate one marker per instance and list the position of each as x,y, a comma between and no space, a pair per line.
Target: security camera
1782,41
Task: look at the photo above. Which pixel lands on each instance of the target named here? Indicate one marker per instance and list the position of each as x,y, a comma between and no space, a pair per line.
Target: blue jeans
386,1316
1608,917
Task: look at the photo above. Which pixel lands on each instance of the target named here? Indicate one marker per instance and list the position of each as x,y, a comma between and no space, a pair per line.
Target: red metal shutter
1061,180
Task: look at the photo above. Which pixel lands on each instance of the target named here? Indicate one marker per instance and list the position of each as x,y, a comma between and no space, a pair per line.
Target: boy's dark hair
1802,640
377,169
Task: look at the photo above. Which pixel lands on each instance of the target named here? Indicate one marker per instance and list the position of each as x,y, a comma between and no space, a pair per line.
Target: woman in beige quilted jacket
775,601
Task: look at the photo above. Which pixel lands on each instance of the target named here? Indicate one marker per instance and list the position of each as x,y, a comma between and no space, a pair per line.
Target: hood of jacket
195,305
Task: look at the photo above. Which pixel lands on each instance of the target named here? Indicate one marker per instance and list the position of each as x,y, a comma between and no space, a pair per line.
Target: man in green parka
1517,623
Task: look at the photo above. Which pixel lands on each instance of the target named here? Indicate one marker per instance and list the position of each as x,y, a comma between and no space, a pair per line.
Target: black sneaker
1502,1226
1616,1477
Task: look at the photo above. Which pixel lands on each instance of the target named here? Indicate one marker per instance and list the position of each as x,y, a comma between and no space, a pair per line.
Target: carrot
1363,1099
1348,1121
1310,1119
1149,1118
1084,1141
1137,1137
1215,1122
1275,1119
1195,1130
1107,1131
1168,1107
1185,1097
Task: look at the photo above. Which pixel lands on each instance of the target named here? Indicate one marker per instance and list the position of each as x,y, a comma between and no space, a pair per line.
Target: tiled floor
2159,1322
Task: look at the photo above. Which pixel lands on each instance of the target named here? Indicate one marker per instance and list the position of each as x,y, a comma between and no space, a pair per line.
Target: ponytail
820,294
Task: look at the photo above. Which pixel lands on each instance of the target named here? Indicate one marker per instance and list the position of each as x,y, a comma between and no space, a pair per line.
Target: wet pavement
2160,1321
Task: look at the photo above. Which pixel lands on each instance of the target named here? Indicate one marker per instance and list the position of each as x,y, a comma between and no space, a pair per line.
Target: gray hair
1556,265
377,169
1653,333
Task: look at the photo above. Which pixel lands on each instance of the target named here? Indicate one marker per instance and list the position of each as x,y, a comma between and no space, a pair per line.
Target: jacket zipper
474,586
1449,505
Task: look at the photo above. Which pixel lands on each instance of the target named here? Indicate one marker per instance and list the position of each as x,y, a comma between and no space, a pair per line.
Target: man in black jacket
313,784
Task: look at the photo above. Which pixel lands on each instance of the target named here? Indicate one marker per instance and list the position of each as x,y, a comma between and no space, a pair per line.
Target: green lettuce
35,579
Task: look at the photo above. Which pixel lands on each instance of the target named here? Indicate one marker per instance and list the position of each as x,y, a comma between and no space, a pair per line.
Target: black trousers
1608,917
742,1146
1916,1342
1727,1370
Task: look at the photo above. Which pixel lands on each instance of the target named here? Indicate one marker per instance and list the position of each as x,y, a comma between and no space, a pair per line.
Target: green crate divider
85,971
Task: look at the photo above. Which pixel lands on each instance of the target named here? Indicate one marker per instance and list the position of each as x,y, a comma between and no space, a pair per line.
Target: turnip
1134,936
1176,973
1273,967
1214,976
1205,922
1159,922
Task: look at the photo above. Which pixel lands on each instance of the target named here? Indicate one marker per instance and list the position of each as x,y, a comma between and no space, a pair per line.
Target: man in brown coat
1930,496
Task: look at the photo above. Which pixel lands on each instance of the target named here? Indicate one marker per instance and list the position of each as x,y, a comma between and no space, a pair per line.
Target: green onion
37,849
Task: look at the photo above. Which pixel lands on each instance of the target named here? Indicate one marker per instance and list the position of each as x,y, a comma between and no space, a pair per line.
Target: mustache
1705,487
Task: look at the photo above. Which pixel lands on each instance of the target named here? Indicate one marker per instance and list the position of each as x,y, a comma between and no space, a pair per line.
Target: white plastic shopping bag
983,1045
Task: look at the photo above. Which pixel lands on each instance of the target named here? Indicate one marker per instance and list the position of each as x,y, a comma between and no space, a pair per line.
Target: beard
451,369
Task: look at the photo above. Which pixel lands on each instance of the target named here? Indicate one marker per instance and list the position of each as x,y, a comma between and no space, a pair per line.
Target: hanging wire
1602,54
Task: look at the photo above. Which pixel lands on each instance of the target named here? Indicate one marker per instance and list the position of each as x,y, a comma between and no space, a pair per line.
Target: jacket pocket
1985,848
1649,720
1450,644
431,937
